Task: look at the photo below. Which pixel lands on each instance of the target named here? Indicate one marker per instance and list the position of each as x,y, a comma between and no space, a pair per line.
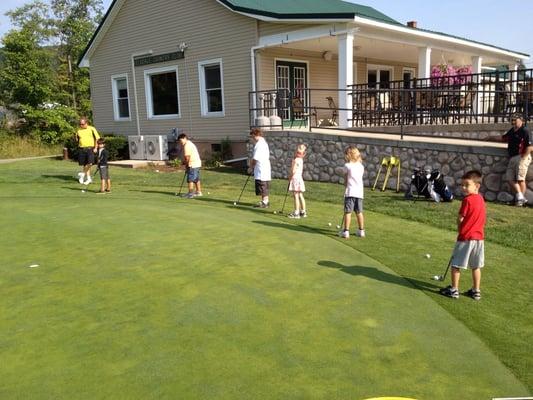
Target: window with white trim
211,88
162,93
121,102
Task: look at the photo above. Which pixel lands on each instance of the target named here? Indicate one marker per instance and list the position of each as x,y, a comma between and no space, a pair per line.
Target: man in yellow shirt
191,160
87,138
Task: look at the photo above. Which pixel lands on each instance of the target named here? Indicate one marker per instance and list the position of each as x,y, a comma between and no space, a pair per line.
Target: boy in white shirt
353,195
260,164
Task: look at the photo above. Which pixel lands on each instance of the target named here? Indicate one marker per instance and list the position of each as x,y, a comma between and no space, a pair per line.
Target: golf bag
419,184
429,184
439,191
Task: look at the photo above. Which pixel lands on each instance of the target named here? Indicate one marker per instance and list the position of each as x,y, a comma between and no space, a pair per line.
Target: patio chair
300,113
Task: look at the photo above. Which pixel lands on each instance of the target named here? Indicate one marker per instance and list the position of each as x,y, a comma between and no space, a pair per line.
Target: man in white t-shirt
260,164
192,162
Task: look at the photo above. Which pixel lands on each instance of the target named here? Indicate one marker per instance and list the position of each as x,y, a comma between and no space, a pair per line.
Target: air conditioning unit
156,147
137,148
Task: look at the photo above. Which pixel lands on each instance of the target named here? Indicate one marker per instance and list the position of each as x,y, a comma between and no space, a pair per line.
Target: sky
494,22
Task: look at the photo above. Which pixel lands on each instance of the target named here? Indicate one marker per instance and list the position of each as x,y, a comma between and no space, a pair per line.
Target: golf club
441,278
285,200
182,182
242,191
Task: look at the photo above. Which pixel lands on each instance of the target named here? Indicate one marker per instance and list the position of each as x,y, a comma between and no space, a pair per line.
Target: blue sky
504,24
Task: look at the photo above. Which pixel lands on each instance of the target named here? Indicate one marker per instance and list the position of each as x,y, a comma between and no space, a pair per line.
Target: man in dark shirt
519,148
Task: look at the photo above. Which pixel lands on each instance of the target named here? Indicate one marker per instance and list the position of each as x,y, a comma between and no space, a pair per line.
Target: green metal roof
307,9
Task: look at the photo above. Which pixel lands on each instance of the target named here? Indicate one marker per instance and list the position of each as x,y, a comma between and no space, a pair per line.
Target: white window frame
148,91
379,68
204,107
412,70
114,90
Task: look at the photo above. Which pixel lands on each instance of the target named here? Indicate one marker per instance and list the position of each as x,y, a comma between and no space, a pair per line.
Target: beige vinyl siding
211,31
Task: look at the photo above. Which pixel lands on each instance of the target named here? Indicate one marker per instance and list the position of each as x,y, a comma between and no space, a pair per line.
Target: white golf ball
436,278
83,191
329,223
338,227
234,203
275,212
156,170
428,255
208,192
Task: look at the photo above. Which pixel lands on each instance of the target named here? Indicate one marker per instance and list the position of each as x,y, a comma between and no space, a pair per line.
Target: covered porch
359,75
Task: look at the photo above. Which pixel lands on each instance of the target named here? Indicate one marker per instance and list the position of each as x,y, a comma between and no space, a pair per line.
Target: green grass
143,295
12,146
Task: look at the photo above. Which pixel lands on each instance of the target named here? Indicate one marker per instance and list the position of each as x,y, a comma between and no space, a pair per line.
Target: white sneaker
88,181
360,233
344,234
198,194
80,177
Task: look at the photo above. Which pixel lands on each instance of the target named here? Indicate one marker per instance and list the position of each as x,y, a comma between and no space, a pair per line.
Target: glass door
291,82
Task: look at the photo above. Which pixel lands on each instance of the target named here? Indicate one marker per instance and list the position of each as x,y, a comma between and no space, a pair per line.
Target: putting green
140,296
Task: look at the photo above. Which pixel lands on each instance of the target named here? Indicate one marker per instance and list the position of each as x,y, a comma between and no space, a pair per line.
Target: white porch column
476,69
345,74
424,62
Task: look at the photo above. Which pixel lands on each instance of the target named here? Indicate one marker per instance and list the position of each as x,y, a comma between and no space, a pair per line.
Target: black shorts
86,156
261,187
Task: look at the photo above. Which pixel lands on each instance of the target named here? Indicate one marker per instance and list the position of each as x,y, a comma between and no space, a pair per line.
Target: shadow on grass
171,193
376,274
68,178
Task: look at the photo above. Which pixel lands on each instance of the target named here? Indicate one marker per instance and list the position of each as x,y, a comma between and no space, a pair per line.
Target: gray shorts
104,173
469,254
352,204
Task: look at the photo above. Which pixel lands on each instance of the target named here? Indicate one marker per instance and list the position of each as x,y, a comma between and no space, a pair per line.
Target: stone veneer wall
325,160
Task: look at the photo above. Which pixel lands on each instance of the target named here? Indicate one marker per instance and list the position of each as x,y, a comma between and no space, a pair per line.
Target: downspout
145,53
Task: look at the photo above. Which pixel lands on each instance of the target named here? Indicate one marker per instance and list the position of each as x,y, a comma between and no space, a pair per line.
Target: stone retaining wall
325,160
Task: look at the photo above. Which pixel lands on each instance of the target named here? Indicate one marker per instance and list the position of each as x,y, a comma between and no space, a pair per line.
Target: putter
182,182
441,278
242,191
284,200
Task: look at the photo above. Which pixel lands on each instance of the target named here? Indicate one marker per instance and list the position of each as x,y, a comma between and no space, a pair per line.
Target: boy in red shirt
469,251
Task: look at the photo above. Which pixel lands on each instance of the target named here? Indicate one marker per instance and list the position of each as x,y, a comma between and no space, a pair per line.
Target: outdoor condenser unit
156,147
136,147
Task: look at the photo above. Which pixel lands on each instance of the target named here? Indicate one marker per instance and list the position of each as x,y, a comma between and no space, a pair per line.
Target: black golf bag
429,184
419,184
439,191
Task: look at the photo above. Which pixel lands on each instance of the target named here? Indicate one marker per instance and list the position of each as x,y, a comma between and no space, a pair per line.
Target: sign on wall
177,55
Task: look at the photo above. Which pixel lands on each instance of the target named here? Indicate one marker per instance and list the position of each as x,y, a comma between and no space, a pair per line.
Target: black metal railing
489,97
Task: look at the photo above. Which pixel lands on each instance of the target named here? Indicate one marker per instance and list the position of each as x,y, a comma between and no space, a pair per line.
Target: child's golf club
182,182
285,199
242,191
441,278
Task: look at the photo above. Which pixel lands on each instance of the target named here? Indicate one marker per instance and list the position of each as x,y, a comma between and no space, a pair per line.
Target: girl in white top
353,195
296,183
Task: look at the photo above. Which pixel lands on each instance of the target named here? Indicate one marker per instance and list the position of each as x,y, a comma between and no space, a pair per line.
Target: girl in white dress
296,183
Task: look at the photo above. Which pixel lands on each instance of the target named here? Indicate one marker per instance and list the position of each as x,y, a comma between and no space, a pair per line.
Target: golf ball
275,212
83,191
329,223
156,170
234,203
436,278
428,255
208,192
338,227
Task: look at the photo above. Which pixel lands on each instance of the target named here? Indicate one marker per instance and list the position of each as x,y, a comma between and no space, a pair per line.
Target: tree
75,22
26,76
